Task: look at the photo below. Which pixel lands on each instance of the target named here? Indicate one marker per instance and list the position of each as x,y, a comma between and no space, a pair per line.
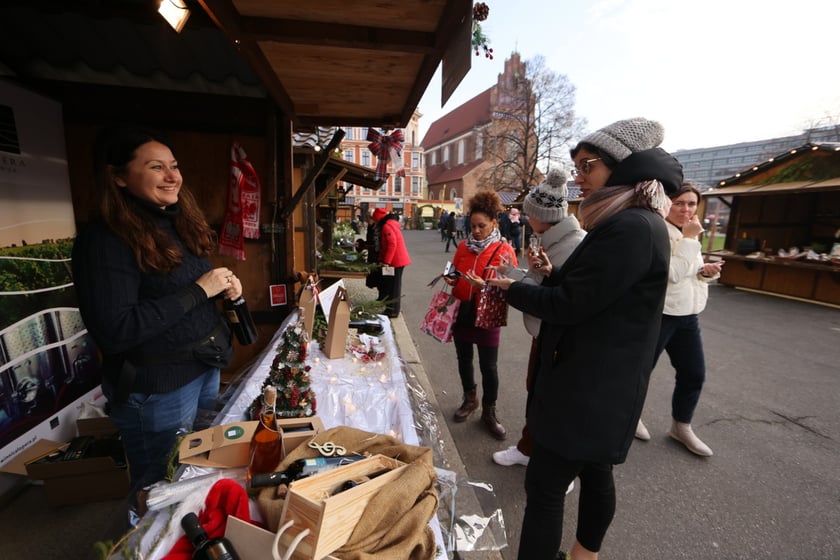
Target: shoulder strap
493,256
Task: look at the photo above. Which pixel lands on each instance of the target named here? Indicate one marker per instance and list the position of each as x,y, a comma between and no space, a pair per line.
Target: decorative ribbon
242,216
385,147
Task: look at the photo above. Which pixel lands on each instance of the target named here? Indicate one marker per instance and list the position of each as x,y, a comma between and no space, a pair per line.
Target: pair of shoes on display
642,432
685,435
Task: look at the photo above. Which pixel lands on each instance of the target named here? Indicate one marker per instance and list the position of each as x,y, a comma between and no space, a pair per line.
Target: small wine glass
534,244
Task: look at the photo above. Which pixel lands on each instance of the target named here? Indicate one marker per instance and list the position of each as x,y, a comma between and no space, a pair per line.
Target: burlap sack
395,523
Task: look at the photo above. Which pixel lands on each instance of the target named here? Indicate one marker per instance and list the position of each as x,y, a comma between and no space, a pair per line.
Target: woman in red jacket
392,254
482,249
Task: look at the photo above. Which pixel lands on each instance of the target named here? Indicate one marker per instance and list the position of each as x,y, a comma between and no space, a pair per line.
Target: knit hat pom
547,201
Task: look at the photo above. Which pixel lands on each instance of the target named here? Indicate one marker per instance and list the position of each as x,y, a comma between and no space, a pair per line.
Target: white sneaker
570,488
642,432
511,456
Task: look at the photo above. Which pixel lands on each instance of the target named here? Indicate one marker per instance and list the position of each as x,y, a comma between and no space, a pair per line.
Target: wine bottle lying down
303,468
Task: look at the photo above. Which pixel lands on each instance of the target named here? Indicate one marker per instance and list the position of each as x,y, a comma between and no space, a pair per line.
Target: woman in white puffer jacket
688,289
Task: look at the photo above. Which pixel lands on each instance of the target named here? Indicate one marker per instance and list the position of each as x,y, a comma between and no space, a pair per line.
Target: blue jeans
680,338
546,479
150,424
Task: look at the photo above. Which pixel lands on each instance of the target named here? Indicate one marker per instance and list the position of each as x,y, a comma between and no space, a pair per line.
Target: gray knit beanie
547,201
622,138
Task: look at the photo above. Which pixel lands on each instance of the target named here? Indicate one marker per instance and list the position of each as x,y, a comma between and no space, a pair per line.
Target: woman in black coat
600,322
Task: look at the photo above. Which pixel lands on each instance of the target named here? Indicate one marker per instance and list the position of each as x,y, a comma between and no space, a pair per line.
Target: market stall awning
333,62
323,62
793,186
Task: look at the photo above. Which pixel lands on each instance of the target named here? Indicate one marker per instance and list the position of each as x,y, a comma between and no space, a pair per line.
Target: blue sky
713,72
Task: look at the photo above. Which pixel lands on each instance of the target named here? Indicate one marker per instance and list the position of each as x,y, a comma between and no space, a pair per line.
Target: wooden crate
313,504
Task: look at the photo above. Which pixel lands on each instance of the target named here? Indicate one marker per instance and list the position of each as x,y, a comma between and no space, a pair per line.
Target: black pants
451,239
546,480
390,288
488,357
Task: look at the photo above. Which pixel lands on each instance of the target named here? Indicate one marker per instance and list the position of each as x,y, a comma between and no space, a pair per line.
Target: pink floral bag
440,318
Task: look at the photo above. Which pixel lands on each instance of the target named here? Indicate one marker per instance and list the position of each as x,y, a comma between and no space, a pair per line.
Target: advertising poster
48,362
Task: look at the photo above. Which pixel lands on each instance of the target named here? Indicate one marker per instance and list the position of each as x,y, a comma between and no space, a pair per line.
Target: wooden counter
808,280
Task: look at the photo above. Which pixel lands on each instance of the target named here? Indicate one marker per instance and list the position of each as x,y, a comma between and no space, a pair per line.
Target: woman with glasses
600,315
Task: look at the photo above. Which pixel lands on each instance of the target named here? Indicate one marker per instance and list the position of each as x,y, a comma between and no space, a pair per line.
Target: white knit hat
547,201
622,138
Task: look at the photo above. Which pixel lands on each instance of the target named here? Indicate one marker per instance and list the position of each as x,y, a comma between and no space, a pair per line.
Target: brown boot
488,416
469,406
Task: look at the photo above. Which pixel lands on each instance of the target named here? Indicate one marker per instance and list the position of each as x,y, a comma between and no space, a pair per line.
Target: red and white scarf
242,216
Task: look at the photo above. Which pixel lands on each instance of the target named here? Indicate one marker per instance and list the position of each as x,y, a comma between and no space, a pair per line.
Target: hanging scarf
477,246
242,216
609,201
387,147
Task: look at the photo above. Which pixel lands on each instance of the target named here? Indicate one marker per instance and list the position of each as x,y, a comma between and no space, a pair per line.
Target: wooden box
312,503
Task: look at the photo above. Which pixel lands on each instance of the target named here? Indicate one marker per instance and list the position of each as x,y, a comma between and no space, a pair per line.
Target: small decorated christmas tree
295,397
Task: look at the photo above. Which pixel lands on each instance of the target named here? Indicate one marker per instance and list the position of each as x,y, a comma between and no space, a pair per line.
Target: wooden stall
783,235
251,72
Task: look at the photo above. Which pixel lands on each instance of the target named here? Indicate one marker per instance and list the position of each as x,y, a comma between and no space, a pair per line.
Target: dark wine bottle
303,468
241,321
205,547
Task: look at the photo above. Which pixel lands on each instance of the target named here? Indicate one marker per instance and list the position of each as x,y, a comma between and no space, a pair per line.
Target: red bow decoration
387,146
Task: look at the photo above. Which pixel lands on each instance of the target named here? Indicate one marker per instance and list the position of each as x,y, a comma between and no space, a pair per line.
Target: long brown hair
115,148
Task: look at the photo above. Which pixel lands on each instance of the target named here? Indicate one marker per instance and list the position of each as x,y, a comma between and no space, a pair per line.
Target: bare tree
532,128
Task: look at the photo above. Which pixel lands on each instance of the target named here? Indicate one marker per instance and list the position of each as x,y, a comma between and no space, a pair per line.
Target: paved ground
770,411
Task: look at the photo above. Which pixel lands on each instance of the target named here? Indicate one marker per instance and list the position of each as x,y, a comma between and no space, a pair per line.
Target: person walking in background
147,295
601,312
460,226
483,248
679,336
515,230
442,224
392,254
558,234
450,231
504,225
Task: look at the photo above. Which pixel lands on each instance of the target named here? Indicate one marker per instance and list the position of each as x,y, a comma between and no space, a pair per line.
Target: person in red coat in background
391,252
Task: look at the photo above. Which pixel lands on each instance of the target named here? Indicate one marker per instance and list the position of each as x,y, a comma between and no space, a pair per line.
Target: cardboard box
313,503
102,475
335,343
296,431
221,446
227,445
308,302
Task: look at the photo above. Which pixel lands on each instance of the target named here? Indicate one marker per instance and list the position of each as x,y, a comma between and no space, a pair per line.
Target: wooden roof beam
336,35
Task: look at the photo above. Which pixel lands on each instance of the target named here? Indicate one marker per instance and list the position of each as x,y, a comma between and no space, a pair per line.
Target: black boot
469,406
488,416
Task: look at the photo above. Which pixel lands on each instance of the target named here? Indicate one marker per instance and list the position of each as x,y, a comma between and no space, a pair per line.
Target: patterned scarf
609,201
477,246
